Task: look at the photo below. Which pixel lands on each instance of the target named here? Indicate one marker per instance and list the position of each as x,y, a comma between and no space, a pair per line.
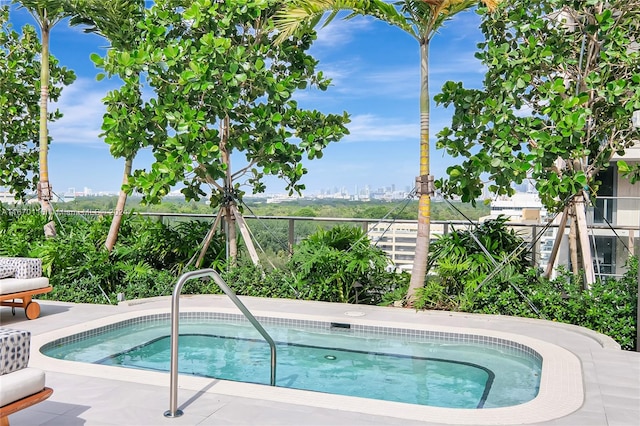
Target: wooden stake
557,242
244,230
581,219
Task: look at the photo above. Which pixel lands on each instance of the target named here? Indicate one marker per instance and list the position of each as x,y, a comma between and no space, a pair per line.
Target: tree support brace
425,185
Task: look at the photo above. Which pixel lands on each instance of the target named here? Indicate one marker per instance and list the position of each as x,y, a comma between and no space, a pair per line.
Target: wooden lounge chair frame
23,403
31,307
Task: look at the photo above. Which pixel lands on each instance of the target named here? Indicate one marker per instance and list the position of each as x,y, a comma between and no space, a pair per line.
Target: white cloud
340,32
82,109
371,128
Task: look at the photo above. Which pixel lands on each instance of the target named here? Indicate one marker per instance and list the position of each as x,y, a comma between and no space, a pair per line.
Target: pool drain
330,357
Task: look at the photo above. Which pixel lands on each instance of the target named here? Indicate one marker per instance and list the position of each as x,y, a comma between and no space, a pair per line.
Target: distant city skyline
355,191
375,72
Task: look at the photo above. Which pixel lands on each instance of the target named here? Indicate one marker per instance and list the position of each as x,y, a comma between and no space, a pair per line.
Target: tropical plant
341,265
451,288
562,83
463,261
421,20
20,231
248,279
46,13
116,21
24,63
218,85
82,271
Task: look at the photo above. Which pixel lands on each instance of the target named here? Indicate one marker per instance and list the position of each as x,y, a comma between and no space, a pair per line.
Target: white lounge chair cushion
20,384
14,350
16,285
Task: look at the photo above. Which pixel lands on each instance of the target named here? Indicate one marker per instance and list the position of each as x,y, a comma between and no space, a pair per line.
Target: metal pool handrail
175,316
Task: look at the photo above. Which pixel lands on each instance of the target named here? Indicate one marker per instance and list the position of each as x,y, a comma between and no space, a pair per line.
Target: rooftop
86,395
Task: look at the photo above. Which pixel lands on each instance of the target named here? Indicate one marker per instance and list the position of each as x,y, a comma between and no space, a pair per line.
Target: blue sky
375,73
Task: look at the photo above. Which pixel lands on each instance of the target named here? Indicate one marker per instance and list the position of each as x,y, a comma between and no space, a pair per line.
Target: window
605,261
604,206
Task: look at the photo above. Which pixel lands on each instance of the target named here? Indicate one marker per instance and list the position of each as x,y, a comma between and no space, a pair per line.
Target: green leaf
623,167
97,59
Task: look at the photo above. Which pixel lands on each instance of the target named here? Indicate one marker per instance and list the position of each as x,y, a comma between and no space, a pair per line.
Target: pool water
334,360
333,370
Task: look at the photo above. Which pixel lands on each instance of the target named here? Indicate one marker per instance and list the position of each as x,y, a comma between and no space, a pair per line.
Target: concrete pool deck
610,378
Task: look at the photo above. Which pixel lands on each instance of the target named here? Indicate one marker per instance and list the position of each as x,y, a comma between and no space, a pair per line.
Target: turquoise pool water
454,371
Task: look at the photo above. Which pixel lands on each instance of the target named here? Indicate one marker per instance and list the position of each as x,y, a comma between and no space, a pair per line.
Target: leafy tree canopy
19,108
219,85
562,83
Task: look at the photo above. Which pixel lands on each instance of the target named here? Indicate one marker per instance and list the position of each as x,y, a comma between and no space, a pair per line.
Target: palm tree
421,19
46,13
116,21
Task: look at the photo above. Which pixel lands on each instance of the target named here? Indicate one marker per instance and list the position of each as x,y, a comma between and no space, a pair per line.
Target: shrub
146,260
462,261
341,265
250,280
608,307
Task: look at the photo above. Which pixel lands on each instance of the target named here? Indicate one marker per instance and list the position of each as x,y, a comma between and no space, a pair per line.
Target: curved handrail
175,316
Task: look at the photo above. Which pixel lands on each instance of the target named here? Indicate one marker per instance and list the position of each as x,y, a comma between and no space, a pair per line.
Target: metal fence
612,243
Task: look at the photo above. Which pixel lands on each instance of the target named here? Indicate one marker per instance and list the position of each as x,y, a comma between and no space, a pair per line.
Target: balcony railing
611,243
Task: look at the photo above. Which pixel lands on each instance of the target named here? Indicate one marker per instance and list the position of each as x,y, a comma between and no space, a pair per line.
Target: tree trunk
232,238
227,204
44,187
419,270
573,242
114,229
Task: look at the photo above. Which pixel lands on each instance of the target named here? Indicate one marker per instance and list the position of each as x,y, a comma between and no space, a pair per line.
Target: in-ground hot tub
559,391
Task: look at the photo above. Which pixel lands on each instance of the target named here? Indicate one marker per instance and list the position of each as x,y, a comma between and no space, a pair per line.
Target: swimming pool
453,370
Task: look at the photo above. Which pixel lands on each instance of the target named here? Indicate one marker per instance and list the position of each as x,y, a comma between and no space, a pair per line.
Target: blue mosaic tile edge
356,329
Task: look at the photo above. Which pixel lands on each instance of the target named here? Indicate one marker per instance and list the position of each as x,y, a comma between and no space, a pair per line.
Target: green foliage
218,85
251,280
19,104
146,261
553,90
164,246
374,209
609,307
452,289
341,265
459,264
463,281
115,20
483,247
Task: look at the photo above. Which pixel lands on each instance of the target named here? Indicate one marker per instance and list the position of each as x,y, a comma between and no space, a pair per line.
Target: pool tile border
504,345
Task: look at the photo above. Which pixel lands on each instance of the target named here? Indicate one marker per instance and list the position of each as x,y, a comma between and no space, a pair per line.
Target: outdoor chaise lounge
20,386
21,278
